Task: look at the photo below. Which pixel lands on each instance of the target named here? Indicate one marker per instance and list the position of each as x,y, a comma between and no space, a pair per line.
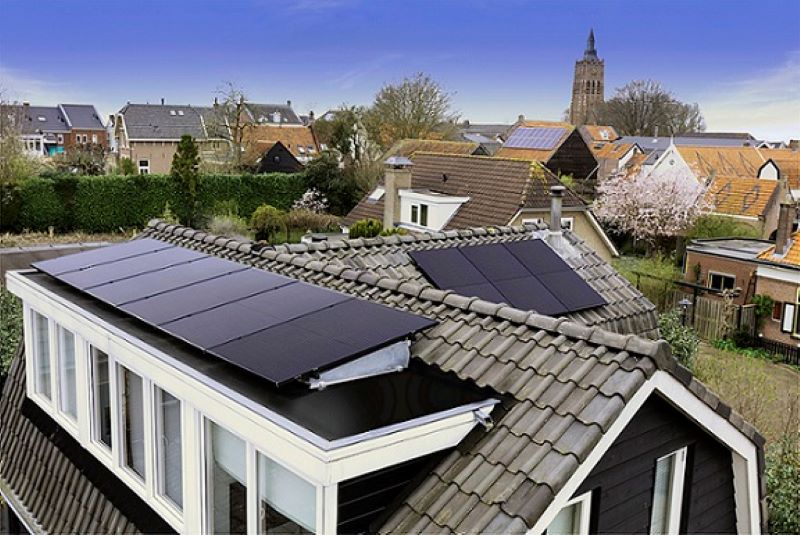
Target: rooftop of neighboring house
490,131
654,146
749,250
599,133
745,136
613,151
407,147
164,121
743,162
301,141
535,140
497,188
57,119
790,257
276,114
742,197
563,384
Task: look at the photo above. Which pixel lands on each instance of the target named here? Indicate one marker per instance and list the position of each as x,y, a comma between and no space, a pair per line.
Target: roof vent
42,118
172,112
180,112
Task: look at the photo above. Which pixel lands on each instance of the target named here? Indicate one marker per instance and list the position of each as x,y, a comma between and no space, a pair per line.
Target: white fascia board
603,236
431,199
736,216
28,521
744,452
778,273
298,448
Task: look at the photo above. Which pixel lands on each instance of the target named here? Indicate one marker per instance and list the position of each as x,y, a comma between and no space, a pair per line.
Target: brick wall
743,272
780,291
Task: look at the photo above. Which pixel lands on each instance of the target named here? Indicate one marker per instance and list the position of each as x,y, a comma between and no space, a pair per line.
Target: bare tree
229,121
644,108
416,108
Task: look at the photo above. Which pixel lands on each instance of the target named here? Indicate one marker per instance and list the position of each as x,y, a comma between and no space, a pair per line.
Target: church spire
590,52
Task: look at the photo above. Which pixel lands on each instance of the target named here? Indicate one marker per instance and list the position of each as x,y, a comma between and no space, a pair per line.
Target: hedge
107,203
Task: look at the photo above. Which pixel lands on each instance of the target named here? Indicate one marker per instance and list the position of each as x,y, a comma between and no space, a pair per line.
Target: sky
740,60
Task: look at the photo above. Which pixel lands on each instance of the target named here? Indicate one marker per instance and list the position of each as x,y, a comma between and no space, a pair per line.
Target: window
42,118
66,373
532,221
720,281
414,213
777,311
144,167
567,223
573,519
60,139
168,447
226,482
788,317
94,138
286,502
41,354
101,393
131,402
423,215
665,516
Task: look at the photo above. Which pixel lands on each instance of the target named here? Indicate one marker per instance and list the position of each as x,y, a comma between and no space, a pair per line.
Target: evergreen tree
185,165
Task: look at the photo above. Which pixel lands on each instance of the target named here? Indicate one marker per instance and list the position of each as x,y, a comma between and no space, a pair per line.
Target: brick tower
587,87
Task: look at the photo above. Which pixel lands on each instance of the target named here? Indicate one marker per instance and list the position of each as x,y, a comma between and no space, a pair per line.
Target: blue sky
740,60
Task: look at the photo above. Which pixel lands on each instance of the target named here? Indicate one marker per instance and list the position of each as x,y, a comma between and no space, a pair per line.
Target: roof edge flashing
389,359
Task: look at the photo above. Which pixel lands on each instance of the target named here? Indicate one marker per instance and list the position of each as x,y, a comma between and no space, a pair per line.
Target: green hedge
107,203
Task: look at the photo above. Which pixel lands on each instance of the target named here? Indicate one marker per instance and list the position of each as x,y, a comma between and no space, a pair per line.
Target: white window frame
94,138
585,503
676,491
37,359
118,374
94,407
60,139
568,223
532,221
143,169
721,274
159,487
60,329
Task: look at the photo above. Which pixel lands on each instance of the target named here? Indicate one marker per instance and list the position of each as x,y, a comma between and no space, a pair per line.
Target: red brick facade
744,273
781,292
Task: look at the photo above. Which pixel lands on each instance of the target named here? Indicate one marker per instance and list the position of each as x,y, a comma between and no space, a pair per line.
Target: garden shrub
365,228
267,221
783,484
303,219
40,206
229,225
682,339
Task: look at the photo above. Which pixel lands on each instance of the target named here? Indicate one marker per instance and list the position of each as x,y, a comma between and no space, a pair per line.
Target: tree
15,163
651,206
126,167
417,108
267,221
185,165
345,133
228,121
642,107
342,186
87,159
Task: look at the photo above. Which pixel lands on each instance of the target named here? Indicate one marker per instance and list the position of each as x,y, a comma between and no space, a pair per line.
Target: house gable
278,159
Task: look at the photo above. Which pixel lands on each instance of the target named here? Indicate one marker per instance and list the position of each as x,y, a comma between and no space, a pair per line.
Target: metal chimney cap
398,162
557,191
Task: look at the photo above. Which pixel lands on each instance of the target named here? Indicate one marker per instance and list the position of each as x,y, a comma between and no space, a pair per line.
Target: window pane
226,481
41,333
287,502
132,397
102,397
659,517
423,215
66,363
414,211
170,466
566,522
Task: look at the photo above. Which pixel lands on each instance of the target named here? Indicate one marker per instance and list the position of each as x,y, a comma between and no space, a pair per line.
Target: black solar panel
526,274
274,326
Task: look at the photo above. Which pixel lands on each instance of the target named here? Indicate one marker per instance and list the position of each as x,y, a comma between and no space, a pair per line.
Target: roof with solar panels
470,347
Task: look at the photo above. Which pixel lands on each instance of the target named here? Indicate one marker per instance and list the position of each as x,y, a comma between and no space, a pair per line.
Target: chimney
556,198
162,101
26,105
289,103
397,176
794,144
786,217
520,118
216,102
311,116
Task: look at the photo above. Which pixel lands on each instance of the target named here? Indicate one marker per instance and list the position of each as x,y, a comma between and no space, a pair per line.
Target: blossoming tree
652,206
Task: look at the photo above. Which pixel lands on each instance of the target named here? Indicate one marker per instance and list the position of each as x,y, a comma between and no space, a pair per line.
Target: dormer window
42,119
172,112
276,117
180,112
604,134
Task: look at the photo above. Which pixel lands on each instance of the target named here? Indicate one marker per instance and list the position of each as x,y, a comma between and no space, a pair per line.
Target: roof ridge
476,156
659,350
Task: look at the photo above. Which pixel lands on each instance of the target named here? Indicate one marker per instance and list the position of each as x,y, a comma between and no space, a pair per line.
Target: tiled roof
612,150
57,483
741,162
83,116
600,133
497,188
163,121
538,155
790,257
266,113
292,137
407,147
564,385
533,155
35,119
749,197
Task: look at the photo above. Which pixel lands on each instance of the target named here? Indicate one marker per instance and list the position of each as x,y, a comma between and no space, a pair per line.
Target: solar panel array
536,137
528,275
273,326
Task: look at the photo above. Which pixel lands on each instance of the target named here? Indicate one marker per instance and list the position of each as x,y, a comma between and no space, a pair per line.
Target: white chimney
556,198
397,176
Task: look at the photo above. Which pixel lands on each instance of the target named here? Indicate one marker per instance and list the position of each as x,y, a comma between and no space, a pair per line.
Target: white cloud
766,104
362,70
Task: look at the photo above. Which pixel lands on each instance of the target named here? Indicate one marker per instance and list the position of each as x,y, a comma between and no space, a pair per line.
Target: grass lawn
765,393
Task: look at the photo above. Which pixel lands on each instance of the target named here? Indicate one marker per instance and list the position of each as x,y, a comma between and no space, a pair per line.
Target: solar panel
538,137
526,274
271,325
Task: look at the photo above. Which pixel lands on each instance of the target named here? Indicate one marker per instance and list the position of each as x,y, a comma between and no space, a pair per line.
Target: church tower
587,87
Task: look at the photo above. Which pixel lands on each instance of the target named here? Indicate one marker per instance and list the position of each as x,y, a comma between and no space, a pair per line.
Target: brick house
52,130
756,267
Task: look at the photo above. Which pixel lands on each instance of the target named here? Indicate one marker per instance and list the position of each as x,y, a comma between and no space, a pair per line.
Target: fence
789,354
709,318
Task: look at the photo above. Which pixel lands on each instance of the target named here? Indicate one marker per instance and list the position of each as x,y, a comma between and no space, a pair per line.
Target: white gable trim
745,459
